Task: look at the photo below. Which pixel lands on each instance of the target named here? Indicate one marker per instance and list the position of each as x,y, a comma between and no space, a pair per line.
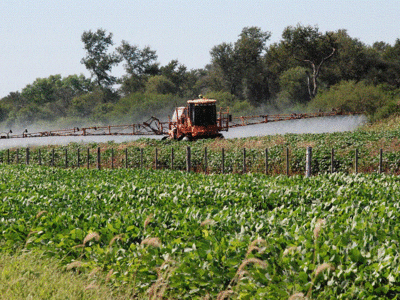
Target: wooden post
40,157
17,156
88,158
156,159
380,161
266,160
356,161
141,158
172,158
333,161
308,162
27,155
126,158
112,158
205,160
8,156
52,157
98,158
287,161
66,158
78,158
188,159
223,161
244,160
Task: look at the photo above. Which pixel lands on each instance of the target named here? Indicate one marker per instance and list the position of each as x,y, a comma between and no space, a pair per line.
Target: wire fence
274,161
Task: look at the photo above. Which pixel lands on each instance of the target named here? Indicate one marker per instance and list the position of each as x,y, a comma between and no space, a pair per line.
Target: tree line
306,70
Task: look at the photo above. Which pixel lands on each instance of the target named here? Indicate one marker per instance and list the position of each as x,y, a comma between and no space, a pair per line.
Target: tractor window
178,113
204,115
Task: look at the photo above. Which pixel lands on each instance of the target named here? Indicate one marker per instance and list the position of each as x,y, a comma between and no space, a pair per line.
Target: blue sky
42,38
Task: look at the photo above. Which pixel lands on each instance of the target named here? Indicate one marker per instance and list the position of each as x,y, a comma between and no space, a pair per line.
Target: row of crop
192,236
275,160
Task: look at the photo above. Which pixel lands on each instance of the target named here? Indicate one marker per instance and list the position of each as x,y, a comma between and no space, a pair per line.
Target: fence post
126,158
223,161
380,161
40,157
356,161
172,158
244,160
88,158
27,155
308,161
156,159
287,161
141,158
78,158
205,160
112,158
98,158
332,161
66,158
266,161
8,156
17,156
188,159
52,157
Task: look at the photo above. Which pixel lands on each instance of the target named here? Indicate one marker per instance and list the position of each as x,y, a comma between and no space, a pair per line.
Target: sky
43,37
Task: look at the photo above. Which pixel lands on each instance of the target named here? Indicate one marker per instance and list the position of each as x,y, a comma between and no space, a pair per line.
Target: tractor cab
202,112
199,119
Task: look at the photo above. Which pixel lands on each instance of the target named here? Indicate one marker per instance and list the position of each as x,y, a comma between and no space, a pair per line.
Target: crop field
177,235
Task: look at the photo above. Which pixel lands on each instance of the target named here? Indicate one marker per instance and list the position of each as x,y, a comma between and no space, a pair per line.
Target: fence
244,160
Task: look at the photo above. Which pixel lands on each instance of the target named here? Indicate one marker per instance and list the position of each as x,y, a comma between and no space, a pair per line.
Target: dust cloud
313,125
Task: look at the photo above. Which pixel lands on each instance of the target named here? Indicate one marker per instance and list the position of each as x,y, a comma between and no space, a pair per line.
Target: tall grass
31,275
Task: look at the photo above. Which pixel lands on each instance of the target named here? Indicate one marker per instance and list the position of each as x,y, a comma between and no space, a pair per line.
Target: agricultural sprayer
198,119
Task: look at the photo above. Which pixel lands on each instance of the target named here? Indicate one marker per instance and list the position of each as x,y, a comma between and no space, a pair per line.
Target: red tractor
198,120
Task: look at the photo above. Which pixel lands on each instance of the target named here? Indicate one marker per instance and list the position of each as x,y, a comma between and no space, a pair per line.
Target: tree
277,60
11,103
250,48
138,61
292,89
55,92
84,105
241,65
391,56
42,90
195,83
251,45
352,96
225,59
97,60
311,47
350,61
177,74
160,84
76,84
139,65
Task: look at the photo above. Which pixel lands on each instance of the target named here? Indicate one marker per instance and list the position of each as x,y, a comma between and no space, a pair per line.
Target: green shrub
353,97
